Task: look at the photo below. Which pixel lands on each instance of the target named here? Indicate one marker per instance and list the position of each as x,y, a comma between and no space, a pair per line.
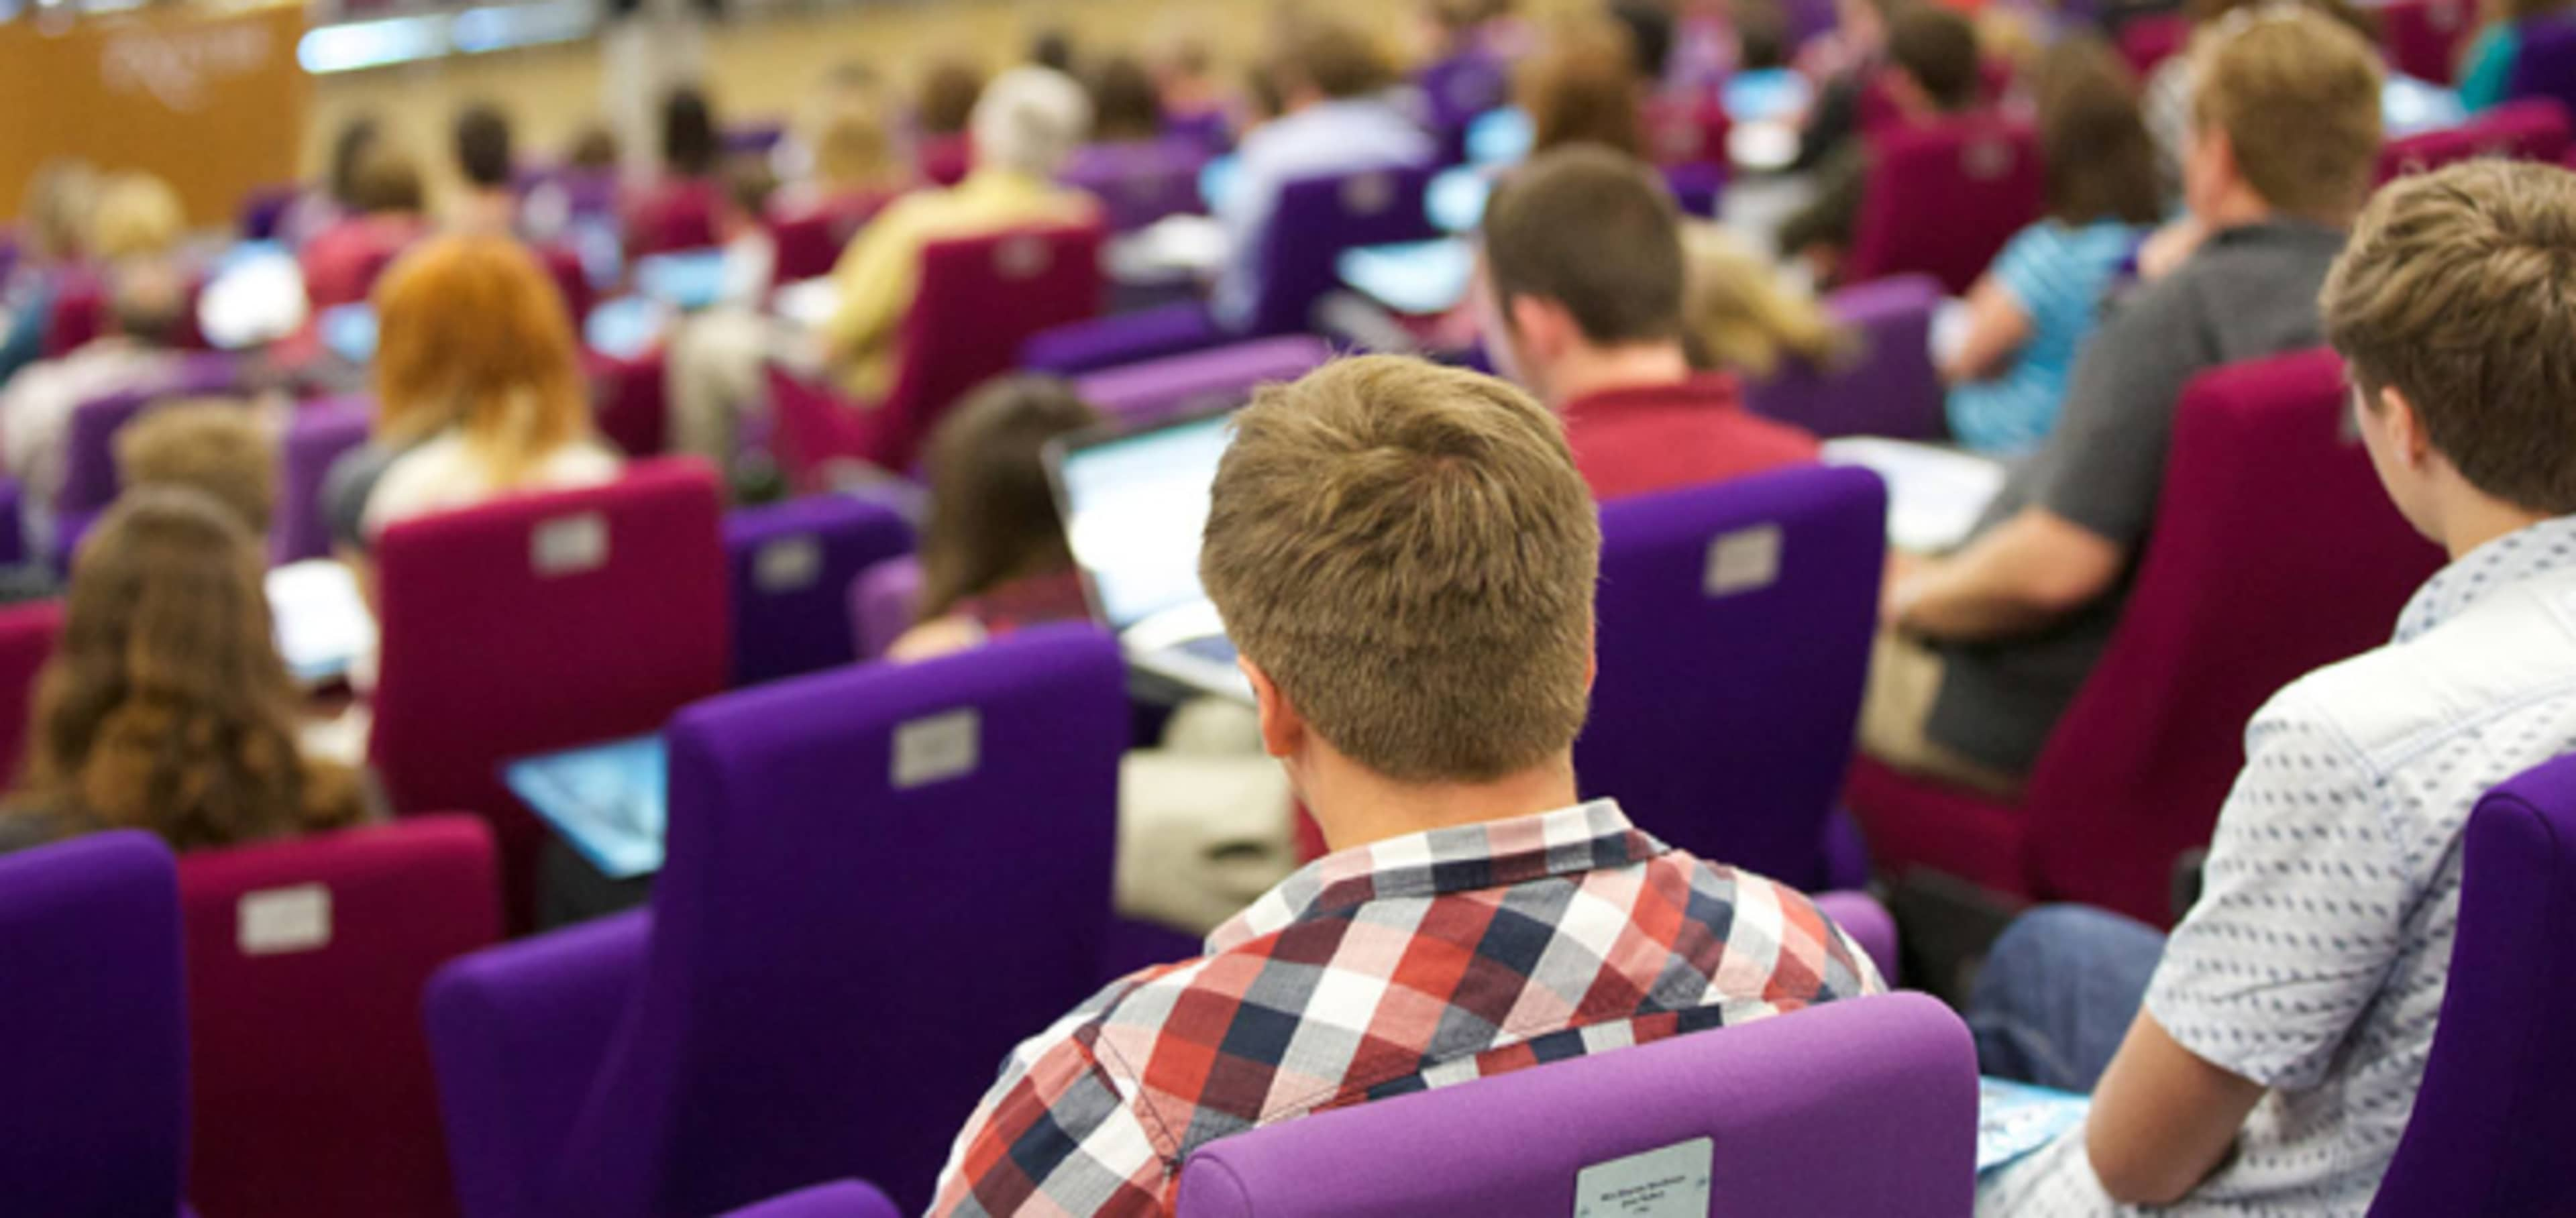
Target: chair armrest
1869,925
1128,338
518,1034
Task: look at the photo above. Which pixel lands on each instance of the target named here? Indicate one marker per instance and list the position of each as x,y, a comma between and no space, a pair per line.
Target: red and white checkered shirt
1412,963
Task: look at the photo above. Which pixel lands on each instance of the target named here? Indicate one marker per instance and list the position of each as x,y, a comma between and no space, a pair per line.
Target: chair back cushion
1317,219
1943,198
2534,129
1888,389
791,566
319,435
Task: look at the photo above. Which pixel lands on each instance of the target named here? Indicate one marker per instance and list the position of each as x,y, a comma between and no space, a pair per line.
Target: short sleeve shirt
2250,292
2057,274
2317,957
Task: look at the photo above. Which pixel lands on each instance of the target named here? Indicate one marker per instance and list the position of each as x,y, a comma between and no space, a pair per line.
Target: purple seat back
320,433
2488,1136
882,601
94,1041
1209,129
1139,183
2547,65
1711,730
1317,219
89,468
880,880
1785,1100
846,1199
790,567
1205,380
1889,388
1127,338
1458,89
1869,925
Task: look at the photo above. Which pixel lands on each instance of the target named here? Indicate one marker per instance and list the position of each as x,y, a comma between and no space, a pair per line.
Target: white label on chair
276,921
1986,160
1667,1183
1745,560
569,545
787,564
1022,257
935,749
1368,194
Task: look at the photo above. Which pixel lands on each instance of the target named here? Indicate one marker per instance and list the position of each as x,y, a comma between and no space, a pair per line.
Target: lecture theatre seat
1943,199
2534,129
93,1036
1216,379
846,1199
2489,1133
880,880
790,566
311,1085
2274,552
884,600
90,482
2547,66
1735,630
1888,388
1140,182
28,633
320,433
537,623
2424,38
979,299
1860,1109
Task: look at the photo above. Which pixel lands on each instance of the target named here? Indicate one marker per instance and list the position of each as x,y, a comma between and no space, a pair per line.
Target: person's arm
2162,1119
2020,575
1050,1132
875,283
1998,327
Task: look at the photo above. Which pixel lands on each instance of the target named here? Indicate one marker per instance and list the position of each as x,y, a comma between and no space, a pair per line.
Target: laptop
1134,503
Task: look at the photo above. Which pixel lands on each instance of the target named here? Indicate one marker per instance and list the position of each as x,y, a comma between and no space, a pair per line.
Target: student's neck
1585,371
2238,208
1355,807
2473,520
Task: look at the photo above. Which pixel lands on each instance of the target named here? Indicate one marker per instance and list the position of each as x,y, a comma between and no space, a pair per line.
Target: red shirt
1656,438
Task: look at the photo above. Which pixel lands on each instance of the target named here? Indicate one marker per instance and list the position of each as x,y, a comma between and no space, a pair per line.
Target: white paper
276,921
321,619
1934,495
1672,1182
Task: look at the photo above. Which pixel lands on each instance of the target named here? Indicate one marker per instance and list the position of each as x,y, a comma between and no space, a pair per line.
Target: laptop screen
1134,506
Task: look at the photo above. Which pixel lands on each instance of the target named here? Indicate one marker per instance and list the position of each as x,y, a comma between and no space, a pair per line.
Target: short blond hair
1408,553
2297,94
137,216
2454,292
216,448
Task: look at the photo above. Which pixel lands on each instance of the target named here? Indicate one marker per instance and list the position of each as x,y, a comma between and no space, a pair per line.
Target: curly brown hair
166,706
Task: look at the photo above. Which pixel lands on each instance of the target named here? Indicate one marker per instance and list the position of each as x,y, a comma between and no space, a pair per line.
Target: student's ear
1544,326
2404,427
1283,731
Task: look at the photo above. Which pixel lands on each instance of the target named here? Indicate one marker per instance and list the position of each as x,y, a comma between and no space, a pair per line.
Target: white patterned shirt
2315,962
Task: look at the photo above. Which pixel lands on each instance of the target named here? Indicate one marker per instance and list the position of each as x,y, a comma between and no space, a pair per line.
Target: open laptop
1134,503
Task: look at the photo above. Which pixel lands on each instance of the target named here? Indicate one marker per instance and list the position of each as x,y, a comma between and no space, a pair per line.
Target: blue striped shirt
2057,274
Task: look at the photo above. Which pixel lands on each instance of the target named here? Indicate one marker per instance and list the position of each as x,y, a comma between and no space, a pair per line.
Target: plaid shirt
1413,963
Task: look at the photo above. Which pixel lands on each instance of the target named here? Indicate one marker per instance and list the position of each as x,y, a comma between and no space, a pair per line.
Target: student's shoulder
2393,704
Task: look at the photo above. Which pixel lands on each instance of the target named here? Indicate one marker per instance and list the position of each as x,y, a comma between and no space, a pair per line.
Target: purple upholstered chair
2489,1133
882,603
1735,627
320,433
1206,380
94,1041
847,1199
791,566
13,530
880,879
89,447
1868,923
2547,65
1889,389
1139,183
1786,1101
1458,89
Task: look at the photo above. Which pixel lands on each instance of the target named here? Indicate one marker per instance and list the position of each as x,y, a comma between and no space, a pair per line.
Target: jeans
2058,993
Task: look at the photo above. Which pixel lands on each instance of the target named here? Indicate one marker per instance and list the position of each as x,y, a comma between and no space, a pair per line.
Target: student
490,202
165,706
2032,311
993,555
2487,66
52,236
1738,317
137,216
147,304
682,209
1332,80
947,99
478,392
1582,293
1125,108
2334,879
1581,87
386,203
1844,61
1027,122
1406,558
1933,71
218,449
336,198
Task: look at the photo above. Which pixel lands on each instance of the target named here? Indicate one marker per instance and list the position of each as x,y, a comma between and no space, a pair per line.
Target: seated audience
1406,557
386,202
683,209
52,232
165,706
2486,67
137,216
1843,62
1125,108
1933,71
843,151
218,449
1984,649
1185,83
147,303
1337,121
2275,1043
1581,86
2034,308
1738,316
489,202
947,100
479,392
1027,122
1584,292
993,554
337,198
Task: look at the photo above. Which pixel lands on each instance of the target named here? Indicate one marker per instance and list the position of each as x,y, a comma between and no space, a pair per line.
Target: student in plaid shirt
1405,557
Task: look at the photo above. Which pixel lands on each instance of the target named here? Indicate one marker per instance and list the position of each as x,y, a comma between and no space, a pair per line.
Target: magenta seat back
883,601
78,314
1699,589
2534,129
94,1038
809,241
2424,38
1889,387
537,623
2489,1134
2274,552
306,960
630,397
28,633
791,566
1943,199
945,160
564,266
320,434
2150,40
1685,130
676,216
1783,1100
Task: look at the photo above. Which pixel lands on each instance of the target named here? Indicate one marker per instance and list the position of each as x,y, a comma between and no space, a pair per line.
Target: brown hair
1938,48
1407,552
948,96
993,514
386,180
2094,149
1596,232
1740,317
166,707
2298,96
1125,105
473,334
1582,88
217,449
2456,291
1339,61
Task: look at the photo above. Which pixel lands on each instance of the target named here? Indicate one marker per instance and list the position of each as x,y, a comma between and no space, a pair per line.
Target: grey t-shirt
2249,292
